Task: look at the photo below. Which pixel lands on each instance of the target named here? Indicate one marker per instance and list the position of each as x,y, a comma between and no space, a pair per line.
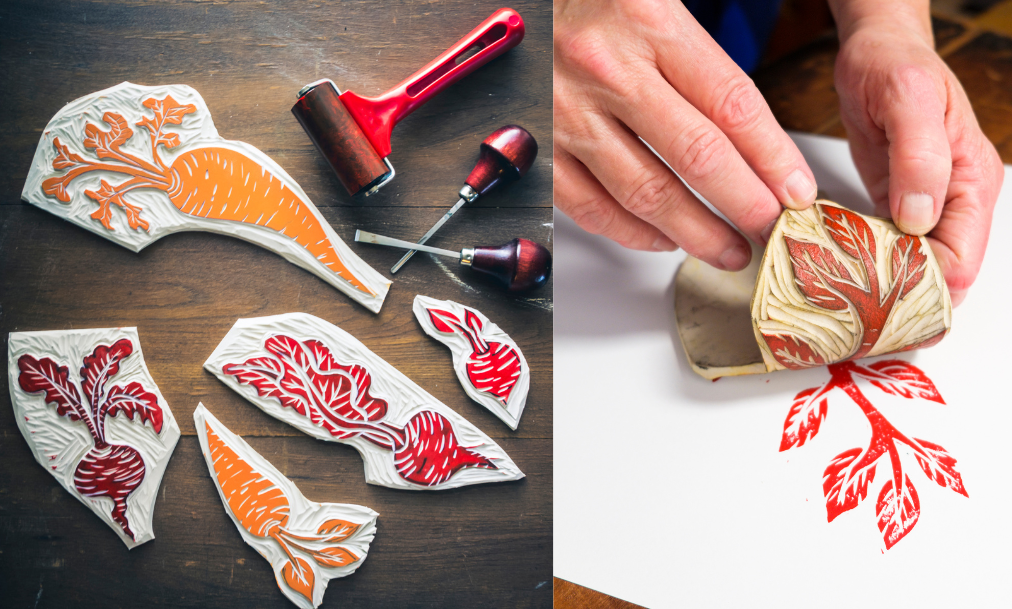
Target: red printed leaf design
336,556
48,376
431,453
135,402
442,319
299,576
910,261
107,143
940,466
806,415
845,482
897,377
98,367
64,157
792,352
809,261
897,511
849,231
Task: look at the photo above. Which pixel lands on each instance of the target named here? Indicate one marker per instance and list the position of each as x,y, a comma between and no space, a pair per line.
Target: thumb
920,160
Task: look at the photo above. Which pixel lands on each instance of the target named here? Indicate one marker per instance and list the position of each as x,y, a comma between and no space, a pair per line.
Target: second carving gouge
520,265
506,155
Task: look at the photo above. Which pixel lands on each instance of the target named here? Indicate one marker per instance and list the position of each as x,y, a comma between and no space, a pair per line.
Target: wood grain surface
486,545
799,89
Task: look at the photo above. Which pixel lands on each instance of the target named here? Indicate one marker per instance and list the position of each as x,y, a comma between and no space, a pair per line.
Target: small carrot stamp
307,543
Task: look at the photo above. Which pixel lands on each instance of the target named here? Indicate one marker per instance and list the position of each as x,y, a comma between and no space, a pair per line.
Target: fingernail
801,189
768,231
735,258
663,244
917,210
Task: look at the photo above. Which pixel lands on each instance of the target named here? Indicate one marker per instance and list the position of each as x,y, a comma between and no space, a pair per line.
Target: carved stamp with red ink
849,476
321,380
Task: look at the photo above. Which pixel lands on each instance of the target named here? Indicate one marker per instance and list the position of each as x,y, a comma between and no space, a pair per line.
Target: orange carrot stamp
134,163
307,543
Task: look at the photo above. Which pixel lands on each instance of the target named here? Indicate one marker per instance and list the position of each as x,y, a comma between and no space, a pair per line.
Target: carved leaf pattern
107,143
849,231
46,375
907,251
793,352
98,367
806,258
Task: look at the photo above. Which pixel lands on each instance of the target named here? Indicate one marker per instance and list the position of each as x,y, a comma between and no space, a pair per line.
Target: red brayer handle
378,115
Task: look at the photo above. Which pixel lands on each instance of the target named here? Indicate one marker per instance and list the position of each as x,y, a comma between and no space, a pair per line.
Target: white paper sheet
670,490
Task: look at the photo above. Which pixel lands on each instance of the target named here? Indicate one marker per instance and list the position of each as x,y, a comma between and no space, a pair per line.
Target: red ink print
107,470
826,283
305,377
849,475
493,367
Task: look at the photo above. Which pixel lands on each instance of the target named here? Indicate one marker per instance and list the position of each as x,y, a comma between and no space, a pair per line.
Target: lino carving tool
520,265
353,132
505,156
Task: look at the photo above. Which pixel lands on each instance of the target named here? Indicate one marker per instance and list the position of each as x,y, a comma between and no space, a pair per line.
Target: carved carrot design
261,507
207,182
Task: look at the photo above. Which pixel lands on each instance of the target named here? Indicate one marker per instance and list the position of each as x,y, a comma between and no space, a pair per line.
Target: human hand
627,69
913,134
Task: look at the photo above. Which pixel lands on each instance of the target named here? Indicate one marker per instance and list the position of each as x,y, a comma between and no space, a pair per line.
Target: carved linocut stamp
488,363
832,285
95,420
307,543
154,154
322,381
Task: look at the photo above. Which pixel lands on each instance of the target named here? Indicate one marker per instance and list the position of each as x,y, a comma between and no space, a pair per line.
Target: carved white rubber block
489,364
307,543
321,380
832,286
154,153
94,419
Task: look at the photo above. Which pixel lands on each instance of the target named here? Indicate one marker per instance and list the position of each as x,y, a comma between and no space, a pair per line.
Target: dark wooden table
485,545
799,89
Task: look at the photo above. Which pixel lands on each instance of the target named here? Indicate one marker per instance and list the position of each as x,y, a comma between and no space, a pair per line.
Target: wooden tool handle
506,155
521,264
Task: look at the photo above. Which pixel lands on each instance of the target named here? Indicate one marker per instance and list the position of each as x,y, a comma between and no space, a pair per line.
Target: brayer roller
353,132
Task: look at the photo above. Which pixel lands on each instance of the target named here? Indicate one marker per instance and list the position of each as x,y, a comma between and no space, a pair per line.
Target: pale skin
631,69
